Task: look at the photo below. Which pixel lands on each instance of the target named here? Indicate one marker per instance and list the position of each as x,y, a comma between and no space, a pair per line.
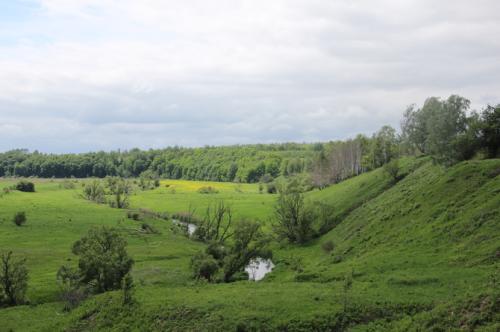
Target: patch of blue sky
17,10
16,17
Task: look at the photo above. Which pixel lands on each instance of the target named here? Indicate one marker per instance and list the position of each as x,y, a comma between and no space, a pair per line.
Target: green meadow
423,254
182,196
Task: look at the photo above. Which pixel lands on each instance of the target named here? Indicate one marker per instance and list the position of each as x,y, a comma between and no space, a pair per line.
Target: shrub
120,189
293,218
392,169
94,191
103,259
186,216
128,289
229,261
494,173
328,246
271,188
147,228
19,218
13,280
337,259
249,242
67,184
148,180
72,292
296,263
208,190
25,186
204,266
134,215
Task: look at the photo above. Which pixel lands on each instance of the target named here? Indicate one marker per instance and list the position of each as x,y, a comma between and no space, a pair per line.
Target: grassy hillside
423,254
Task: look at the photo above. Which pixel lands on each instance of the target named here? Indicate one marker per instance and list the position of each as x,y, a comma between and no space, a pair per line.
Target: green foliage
271,188
247,163
94,191
490,130
103,259
248,243
128,289
421,248
208,190
447,122
148,229
392,169
204,266
134,215
72,291
149,180
120,189
294,219
328,246
13,280
25,186
384,147
19,218
346,287
340,160
187,216
442,129
216,224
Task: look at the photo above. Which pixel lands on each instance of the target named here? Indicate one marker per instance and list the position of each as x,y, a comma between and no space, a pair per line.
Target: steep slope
449,216
432,238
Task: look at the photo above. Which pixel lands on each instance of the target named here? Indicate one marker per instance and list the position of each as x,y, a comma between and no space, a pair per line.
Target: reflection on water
258,268
191,228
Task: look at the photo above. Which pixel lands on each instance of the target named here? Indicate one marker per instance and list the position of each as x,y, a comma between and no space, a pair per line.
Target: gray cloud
88,74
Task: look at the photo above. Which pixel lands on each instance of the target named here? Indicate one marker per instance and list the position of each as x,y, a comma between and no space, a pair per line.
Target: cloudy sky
83,75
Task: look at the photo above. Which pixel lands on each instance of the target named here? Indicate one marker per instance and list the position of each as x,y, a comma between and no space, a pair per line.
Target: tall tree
13,279
446,124
103,259
490,130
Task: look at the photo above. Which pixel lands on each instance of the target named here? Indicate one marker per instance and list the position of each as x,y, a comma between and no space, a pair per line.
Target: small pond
191,228
258,268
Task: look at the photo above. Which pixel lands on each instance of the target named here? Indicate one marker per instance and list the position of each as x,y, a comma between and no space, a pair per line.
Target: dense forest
247,163
445,129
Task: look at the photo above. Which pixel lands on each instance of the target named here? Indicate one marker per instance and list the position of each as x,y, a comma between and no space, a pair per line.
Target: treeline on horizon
447,130
238,163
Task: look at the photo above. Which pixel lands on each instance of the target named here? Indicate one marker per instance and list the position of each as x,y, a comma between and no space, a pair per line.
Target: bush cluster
25,186
19,218
208,190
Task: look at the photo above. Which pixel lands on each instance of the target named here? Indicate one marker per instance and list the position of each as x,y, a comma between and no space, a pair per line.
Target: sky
87,75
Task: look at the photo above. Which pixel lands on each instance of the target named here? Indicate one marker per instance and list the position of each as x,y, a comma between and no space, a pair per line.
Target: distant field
180,195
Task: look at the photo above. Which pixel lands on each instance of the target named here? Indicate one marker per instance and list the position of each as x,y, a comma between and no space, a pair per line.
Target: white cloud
119,74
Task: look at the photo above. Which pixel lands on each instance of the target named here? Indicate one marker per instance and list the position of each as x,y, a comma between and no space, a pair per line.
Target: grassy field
423,254
179,195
